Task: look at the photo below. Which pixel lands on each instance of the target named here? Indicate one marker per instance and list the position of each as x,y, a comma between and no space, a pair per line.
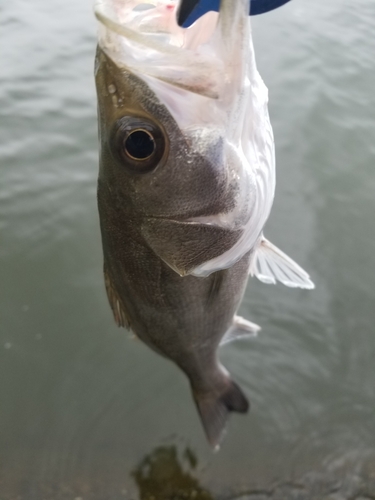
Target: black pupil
139,145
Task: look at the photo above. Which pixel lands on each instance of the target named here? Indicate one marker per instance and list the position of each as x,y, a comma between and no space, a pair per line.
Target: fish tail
214,409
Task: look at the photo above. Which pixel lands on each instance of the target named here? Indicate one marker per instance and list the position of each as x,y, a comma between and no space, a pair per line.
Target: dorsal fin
115,303
270,265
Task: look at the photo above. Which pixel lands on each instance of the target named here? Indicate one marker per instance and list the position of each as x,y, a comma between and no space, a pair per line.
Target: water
85,411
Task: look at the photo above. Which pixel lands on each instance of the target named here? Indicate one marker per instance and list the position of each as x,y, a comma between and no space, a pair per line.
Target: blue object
256,7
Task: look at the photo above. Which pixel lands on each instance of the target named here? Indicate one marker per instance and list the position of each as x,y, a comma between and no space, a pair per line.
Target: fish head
158,169
185,137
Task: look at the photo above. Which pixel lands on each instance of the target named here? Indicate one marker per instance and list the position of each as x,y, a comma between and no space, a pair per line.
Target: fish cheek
191,183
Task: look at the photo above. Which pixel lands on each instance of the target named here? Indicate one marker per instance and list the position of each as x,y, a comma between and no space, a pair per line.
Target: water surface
85,411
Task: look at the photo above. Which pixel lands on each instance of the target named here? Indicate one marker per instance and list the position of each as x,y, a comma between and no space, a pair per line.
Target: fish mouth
144,37
154,24
119,22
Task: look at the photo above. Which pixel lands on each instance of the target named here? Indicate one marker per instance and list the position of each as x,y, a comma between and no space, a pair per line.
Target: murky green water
87,412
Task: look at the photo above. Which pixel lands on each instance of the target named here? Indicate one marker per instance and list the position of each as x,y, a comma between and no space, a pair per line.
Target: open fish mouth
144,36
156,20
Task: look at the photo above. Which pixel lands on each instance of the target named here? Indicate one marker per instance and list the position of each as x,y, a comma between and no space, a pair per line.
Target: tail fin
214,410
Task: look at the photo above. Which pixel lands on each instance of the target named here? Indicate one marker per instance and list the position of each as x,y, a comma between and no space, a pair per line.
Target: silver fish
186,184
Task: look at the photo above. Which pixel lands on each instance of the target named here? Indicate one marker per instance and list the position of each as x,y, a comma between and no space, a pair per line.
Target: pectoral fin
241,328
270,265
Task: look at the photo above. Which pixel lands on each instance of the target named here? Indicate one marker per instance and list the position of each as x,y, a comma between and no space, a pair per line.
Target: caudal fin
214,409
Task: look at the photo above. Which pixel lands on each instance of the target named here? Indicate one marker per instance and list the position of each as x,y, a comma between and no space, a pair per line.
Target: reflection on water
171,473
162,475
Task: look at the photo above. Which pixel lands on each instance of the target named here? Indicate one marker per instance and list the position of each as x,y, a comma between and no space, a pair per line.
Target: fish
186,184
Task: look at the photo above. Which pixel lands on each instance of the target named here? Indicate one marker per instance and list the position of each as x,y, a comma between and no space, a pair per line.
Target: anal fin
270,265
241,328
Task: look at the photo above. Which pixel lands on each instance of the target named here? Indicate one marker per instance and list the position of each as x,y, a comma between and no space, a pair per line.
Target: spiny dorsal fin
270,265
116,306
241,328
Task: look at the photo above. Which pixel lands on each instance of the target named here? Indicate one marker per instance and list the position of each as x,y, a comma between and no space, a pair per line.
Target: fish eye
139,144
